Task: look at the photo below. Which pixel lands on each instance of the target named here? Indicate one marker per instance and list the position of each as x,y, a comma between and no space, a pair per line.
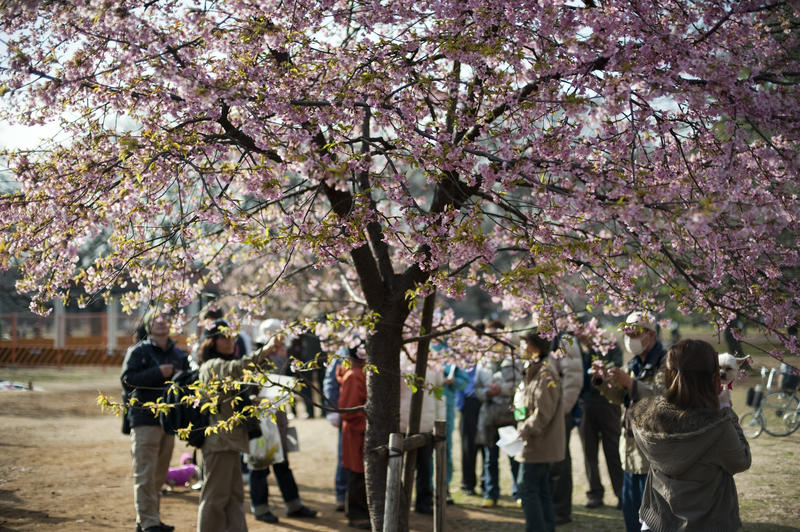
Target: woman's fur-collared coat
693,455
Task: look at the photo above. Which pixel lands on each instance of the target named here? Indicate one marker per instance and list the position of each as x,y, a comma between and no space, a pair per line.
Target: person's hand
618,377
275,345
725,398
167,370
494,389
449,382
334,419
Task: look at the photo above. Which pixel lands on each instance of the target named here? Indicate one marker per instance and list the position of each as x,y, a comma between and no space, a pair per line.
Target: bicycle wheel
752,425
777,410
792,420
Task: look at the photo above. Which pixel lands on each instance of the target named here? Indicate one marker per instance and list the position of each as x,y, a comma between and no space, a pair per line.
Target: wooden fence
13,355
398,450
67,339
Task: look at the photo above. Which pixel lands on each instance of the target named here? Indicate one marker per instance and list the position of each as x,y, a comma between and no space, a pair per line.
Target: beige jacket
542,430
235,439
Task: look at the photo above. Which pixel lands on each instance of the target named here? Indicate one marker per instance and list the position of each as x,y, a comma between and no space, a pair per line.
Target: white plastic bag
266,449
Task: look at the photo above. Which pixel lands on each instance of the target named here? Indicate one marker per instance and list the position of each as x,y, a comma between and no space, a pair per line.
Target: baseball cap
639,320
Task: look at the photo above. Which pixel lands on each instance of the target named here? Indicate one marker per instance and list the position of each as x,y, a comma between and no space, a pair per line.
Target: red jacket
352,393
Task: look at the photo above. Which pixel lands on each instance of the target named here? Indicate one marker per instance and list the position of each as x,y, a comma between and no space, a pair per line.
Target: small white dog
729,368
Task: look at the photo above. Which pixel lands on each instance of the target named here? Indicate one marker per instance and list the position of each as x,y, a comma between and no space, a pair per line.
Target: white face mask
634,345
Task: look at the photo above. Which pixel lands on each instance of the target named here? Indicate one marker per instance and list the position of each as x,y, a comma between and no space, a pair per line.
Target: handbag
292,441
500,415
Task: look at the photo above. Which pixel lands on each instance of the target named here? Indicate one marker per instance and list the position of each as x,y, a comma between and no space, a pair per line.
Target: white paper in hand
510,442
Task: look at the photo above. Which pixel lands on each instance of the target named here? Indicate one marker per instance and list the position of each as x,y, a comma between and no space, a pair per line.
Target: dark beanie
217,328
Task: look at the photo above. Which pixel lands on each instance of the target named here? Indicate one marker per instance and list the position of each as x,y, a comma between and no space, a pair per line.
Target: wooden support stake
440,474
391,512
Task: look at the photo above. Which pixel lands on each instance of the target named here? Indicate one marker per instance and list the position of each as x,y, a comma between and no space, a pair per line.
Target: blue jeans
491,473
632,490
533,481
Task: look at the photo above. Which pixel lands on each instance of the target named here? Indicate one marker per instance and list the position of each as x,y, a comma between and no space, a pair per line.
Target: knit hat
356,349
217,328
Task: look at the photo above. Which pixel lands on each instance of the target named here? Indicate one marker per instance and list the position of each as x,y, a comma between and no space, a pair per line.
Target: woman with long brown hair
694,447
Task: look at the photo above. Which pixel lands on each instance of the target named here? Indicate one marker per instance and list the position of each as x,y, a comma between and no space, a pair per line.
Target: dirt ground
64,465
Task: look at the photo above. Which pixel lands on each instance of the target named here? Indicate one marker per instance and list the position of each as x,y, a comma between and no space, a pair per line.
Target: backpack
183,413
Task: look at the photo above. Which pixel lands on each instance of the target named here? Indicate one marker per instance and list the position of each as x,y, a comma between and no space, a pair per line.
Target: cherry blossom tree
621,153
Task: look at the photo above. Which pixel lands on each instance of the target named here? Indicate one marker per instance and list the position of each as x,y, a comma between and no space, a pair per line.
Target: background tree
544,150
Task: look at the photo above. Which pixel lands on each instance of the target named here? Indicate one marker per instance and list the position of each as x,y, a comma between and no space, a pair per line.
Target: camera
598,371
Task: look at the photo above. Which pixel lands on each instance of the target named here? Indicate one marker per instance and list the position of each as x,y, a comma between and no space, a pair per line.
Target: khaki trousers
151,449
222,497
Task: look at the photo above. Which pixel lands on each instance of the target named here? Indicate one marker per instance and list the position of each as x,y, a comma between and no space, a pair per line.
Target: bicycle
777,413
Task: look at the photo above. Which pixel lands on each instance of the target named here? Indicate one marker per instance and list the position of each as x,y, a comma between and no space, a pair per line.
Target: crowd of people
669,437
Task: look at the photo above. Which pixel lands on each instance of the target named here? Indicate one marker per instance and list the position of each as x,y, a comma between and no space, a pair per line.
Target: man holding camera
642,376
601,422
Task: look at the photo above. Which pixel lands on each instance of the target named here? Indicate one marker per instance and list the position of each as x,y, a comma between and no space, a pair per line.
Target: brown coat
543,428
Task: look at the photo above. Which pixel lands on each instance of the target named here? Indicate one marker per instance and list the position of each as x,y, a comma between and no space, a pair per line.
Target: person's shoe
340,506
197,485
303,511
594,503
489,503
363,525
562,519
267,517
158,528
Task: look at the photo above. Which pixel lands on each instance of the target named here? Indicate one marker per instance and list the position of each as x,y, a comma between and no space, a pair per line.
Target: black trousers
355,508
601,423
259,490
424,482
561,477
468,427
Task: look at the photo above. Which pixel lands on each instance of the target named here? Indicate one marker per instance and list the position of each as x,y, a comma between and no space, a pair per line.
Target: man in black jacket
148,365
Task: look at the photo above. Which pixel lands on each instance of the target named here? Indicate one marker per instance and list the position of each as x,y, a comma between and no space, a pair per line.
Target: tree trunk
415,410
383,406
